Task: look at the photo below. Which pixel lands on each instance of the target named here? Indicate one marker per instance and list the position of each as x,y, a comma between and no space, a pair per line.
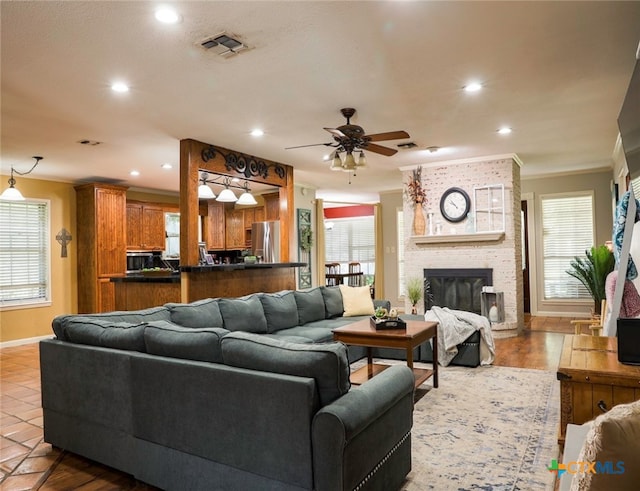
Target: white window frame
46,300
541,285
400,248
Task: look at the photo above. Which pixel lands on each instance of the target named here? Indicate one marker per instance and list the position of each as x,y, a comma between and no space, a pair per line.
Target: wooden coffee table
361,333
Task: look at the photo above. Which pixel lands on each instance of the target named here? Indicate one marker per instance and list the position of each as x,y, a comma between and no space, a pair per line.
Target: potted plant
592,272
415,290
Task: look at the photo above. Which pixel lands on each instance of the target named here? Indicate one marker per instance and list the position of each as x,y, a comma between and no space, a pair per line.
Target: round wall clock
455,205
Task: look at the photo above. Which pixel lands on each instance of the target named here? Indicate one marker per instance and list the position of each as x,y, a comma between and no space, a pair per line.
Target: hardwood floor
26,462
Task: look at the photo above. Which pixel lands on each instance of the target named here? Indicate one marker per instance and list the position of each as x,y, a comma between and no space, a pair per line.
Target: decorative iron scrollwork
244,164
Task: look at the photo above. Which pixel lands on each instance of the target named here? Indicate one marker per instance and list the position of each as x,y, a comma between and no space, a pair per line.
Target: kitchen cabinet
145,227
214,229
271,206
101,236
234,229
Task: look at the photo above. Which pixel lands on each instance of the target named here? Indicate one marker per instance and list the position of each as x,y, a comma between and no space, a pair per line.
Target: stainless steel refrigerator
265,241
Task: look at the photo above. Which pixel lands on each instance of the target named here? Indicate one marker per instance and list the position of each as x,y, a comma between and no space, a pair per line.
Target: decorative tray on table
387,323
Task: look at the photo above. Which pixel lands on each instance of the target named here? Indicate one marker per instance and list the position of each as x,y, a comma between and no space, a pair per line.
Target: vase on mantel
419,223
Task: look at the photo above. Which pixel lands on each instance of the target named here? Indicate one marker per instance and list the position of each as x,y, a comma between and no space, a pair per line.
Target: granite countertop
175,277
139,278
233,267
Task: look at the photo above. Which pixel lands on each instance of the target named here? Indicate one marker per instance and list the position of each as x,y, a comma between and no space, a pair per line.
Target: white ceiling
556,72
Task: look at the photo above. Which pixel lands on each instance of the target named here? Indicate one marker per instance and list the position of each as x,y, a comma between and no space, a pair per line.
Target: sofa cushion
614,437
313,334
332,301
243,314
166,339
310,305
356,300
201,313
327,363
133,317
280,310
105,333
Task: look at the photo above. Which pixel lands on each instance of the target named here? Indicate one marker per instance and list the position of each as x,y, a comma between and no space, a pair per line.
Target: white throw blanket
454,327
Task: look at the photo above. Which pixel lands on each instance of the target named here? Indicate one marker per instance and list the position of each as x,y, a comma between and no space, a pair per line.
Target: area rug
486,428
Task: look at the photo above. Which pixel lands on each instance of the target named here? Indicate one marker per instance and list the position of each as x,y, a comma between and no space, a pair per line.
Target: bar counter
136,291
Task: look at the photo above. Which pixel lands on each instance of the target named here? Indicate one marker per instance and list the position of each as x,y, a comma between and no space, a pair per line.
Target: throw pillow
326,363
201,313
356,300
332,301
166,339
243,314
280,310
614,437
310,305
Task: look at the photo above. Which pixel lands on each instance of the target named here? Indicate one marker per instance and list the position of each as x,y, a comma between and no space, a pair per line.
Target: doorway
526,290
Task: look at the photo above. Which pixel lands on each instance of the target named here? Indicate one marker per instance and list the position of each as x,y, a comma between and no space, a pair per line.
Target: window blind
352,239
567,223
24,252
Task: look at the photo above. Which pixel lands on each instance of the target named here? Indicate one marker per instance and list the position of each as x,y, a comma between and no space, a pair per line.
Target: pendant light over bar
12,193
226,195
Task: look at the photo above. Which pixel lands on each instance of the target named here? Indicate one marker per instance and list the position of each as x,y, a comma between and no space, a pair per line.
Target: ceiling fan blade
312,145
390,135
336,132
372,147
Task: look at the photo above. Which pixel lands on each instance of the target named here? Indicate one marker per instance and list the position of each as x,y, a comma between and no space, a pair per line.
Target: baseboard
20,342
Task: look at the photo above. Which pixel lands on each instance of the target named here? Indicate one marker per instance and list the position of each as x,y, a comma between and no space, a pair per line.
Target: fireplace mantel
450,238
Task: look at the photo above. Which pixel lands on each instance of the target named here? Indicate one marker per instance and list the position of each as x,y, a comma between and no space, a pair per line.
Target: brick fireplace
458,247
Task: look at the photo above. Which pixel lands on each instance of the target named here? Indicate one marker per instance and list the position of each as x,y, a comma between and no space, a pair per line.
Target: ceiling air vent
223,45
407,145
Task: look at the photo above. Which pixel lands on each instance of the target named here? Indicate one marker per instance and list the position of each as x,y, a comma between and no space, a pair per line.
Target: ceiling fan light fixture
362,160
336,163
349,163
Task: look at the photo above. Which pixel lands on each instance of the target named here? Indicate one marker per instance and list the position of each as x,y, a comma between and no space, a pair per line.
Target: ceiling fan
350,137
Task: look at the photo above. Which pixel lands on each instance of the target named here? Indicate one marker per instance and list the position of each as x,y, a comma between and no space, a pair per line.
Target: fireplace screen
456,288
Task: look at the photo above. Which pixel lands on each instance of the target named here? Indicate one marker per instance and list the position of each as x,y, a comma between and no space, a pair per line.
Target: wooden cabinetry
145,227
214,226
592,380
234,229
101,232
271,206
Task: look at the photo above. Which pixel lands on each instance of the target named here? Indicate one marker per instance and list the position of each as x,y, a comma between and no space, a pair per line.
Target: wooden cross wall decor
63,237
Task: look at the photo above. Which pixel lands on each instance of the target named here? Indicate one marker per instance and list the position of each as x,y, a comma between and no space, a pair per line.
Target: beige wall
390,202
33,322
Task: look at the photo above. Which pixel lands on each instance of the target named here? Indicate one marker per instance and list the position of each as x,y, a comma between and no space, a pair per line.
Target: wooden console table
592,380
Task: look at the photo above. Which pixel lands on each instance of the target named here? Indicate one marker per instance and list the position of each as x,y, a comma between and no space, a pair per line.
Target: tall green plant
592,272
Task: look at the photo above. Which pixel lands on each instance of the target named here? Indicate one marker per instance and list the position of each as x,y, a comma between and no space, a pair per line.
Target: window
352,239
24,252
635,184
400,249
172,233
567,228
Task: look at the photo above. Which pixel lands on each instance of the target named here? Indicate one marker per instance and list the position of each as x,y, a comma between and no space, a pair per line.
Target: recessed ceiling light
473,87
326,157
167,166
134,173
167,16
257,132
505,130
433,149
120,87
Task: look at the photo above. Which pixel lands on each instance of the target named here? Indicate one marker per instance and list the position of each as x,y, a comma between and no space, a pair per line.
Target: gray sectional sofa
246,393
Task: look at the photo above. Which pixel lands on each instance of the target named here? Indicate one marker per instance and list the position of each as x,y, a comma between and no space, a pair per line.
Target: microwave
137,261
